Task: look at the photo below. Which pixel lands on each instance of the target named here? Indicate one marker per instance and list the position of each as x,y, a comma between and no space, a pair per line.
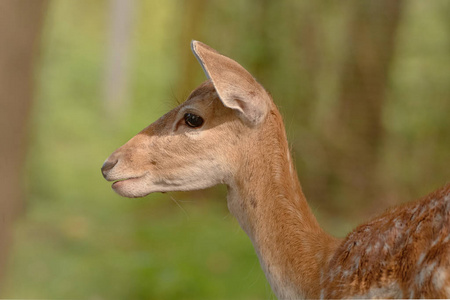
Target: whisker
226,216
179,205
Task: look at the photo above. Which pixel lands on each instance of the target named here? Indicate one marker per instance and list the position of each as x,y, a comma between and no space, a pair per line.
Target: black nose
108,165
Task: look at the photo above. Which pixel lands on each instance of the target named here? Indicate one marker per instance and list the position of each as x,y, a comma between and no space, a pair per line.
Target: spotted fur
404,253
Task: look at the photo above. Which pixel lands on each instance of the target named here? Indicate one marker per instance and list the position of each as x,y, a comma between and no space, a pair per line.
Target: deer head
198,144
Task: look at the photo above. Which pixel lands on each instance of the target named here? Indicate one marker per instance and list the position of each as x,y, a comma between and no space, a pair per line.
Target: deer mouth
121,181
129,186
132,187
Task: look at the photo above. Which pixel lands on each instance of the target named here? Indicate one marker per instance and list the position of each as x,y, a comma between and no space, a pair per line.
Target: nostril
108,165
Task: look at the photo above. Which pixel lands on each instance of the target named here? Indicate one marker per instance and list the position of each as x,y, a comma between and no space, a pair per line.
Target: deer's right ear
235,86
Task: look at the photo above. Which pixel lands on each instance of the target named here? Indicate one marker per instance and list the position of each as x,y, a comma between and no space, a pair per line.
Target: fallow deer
230,132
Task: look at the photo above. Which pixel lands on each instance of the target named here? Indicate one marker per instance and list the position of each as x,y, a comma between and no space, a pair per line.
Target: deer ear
235,86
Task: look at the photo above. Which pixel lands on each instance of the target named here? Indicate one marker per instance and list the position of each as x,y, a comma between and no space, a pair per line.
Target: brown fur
242,143
396,247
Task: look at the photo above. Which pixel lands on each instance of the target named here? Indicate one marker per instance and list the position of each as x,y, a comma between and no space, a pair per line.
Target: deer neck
266,198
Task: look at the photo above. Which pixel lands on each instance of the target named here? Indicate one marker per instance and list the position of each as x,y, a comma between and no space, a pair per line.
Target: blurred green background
364,87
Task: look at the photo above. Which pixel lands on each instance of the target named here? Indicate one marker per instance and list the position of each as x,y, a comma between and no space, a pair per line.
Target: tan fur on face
170,156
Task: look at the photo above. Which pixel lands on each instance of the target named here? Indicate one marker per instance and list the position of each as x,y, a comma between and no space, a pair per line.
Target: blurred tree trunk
20,27
117,64
265,58
192,16
358,130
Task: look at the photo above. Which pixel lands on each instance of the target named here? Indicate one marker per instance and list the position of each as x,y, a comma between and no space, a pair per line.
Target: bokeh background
364,87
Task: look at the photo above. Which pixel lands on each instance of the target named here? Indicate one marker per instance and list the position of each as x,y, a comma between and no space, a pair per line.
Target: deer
229,131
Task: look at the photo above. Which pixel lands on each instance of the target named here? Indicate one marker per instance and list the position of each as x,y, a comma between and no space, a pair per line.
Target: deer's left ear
235,86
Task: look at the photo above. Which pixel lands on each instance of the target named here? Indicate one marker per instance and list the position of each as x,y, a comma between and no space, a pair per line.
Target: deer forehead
205,101
170,134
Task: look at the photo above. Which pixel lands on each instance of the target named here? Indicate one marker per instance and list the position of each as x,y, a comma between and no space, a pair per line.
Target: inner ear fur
235,86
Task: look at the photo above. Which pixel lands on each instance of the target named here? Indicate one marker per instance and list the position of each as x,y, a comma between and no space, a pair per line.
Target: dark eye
193,120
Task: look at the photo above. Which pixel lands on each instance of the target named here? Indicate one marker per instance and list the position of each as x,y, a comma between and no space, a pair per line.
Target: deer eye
192,120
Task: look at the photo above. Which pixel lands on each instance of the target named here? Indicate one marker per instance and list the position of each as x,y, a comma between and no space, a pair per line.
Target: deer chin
133,187
136,187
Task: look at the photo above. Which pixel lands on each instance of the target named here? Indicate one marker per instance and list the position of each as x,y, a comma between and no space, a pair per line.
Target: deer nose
108,165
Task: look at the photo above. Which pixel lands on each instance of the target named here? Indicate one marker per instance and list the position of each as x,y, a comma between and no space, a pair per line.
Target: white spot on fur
437,220
421,257
425,273
424,208
392,290
439,278
345,274
398,223
433,204
434,243
356,263
335,273
419,227
377,246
